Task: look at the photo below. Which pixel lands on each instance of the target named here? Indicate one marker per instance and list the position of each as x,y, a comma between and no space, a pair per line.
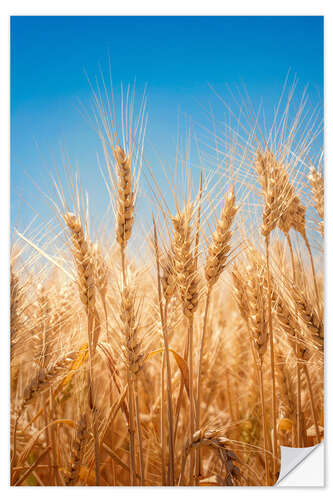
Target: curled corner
292,457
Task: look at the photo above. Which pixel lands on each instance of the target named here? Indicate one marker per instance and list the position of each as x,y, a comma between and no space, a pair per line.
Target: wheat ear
185,266
310,317
125,207
84,264
317,185
211,438
45,378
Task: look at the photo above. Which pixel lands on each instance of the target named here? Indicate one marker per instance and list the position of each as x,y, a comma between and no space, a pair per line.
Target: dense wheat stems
168,289
295,217
32,467
301,364
282,209
42,382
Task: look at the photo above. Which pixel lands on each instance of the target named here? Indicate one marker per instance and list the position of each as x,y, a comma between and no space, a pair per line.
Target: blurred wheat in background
192,366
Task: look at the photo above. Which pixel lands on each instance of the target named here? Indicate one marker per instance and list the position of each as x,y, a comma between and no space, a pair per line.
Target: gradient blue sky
176,57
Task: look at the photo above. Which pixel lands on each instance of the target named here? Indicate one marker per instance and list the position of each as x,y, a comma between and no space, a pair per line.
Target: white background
141,7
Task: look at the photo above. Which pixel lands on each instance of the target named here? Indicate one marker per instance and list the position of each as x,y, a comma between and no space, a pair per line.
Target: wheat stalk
218,253
134,358
168,283
274,192
87,290
316,180
259,331
187,282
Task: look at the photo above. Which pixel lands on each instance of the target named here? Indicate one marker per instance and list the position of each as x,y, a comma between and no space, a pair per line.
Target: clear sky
176,57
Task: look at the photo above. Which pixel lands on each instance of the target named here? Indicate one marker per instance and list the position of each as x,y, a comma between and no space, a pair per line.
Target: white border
171,7
142,7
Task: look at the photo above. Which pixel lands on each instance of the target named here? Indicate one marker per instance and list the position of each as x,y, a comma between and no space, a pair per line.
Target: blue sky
176,57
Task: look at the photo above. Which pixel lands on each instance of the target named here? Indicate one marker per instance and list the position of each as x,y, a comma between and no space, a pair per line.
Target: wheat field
183,347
